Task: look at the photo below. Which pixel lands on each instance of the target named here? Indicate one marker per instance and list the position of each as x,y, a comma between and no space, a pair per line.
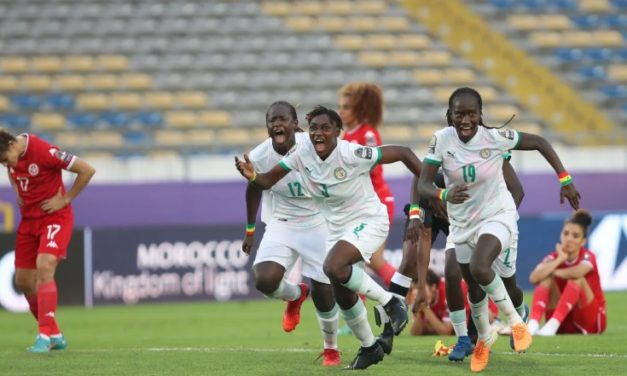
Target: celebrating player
336,173
481,212
568,288
361,110
294,227
45,230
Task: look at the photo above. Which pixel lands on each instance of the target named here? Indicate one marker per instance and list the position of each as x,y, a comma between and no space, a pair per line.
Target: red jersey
38,175
440,306
585,256
367,135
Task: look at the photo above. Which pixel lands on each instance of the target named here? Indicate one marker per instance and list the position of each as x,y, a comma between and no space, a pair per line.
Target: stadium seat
8,83
148,118
60,101
115,119
393,23
113,63
103,82
396,133
70,82
136,138
414,41
181,119
351,41
201,137
93,101
5,105
82,120
109,139
13,65
67,139
300,24
26,101
136,81
78,64
276,8
592,72
126,101
46,64
161,100
595,5
215,119
48,121
191,99
36,83
17,121
617,73
341,7
164,137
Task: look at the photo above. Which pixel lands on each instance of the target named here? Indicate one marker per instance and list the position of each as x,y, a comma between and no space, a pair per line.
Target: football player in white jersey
481,212
336,173
294,228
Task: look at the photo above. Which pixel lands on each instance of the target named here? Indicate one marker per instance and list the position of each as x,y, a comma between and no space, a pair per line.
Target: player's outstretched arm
264,180
513,183
395,153
530,141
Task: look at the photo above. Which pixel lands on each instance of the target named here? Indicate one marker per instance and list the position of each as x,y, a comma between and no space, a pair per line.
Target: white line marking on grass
303,350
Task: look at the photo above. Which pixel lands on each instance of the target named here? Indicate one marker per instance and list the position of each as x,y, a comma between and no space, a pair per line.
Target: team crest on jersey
484,153
365,153
432,143
507,133
33,169
340,173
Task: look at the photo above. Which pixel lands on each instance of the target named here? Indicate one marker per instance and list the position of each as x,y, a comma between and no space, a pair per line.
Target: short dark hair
283,103
432,278
5,139
321,110
458,92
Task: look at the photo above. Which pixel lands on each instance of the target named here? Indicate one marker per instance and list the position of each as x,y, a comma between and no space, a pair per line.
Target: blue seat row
535,5
593,54
592,21
615,91
115,119
57,101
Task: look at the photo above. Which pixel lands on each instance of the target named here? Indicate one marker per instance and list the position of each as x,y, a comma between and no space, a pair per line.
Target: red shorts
589,319
50,234
387,199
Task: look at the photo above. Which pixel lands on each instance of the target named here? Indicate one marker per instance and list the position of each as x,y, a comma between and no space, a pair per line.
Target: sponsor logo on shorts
52,244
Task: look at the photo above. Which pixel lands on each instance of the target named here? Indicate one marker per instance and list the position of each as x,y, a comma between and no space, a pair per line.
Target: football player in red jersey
361,109
433,318
43,235
568,291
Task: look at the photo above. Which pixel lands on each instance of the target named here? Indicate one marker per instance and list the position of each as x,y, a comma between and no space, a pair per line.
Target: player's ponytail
582,218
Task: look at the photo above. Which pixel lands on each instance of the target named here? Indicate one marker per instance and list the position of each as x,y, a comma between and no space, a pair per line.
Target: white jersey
287,200
341,183
478,164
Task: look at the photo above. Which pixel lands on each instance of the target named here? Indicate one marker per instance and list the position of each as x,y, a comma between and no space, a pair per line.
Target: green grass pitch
246,339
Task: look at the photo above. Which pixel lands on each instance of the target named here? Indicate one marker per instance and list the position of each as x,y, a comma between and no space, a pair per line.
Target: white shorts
283,244
504,227
367,235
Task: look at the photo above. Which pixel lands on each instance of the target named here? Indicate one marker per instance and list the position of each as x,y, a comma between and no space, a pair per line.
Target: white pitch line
303,350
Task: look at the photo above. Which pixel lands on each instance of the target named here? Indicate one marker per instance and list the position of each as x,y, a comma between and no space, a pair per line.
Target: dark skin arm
530,141
263,181
456,195
394,153
253,199
513,183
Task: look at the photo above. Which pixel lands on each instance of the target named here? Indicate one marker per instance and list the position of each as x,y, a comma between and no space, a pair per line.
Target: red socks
568,299
539,303
47,304
386,272
32,304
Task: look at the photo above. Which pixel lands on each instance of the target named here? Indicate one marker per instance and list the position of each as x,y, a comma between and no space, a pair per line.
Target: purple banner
150,264
223,203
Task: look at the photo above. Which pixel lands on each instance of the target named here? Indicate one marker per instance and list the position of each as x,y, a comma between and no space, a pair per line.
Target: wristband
250,230
252,180
442,193
416,212
565,178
